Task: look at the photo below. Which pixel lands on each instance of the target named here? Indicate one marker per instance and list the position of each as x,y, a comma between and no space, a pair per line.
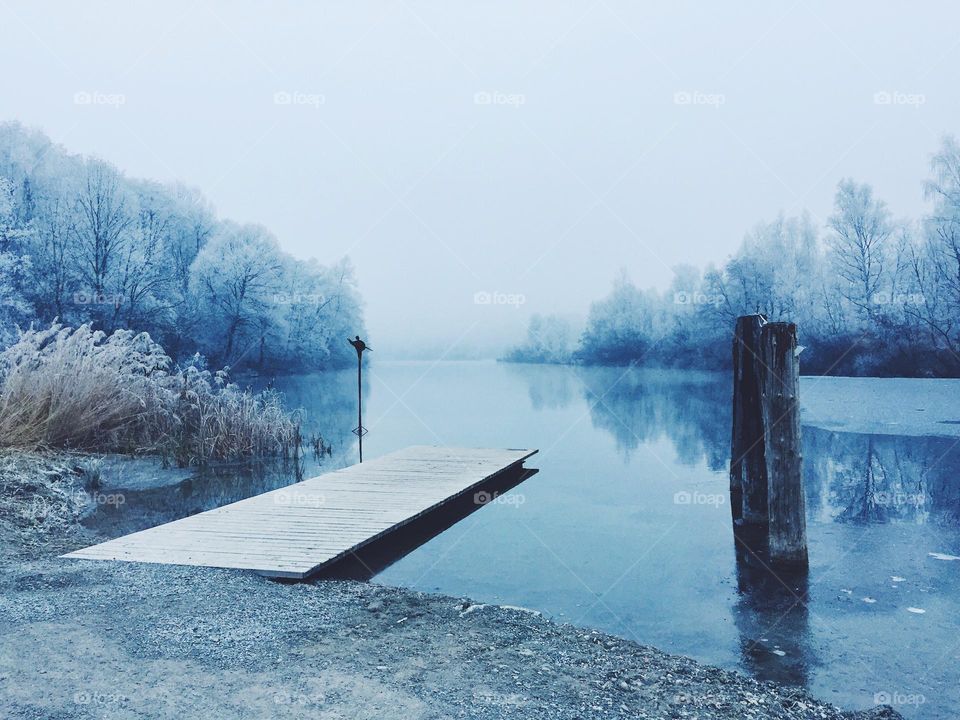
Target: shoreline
92,639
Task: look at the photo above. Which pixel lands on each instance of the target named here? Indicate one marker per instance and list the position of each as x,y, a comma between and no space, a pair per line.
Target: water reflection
204,489
863,478
848,477
553,390
638,406
327,403
772,616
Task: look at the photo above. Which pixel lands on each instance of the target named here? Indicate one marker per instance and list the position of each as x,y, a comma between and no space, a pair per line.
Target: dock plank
296,530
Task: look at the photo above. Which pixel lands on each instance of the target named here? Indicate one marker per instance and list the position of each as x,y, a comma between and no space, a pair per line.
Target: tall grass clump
80,389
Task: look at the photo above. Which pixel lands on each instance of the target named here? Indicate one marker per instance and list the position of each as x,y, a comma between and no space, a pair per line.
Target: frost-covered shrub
62,387
41,497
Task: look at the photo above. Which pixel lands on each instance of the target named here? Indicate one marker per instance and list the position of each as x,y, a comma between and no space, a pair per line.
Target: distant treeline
81,242
871,295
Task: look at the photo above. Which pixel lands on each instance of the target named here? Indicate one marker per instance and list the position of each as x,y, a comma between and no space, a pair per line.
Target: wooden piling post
780,411
748,469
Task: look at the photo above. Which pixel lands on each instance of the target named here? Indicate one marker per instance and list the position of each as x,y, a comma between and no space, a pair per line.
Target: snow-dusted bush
550,339
42,497
62,387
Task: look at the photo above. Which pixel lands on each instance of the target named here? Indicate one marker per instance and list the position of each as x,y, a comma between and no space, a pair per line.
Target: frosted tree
935,264
14,266
101,236
550,339
317,310
195,223
53,274
235,278
771,272
142,277
620,328
860,229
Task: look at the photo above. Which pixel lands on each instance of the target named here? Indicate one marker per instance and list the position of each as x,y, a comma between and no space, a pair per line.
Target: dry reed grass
80,389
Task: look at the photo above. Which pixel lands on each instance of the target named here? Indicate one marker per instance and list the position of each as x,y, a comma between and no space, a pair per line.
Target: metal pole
359,345
360,405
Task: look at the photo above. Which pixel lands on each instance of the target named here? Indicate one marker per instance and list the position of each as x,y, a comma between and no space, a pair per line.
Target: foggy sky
525,150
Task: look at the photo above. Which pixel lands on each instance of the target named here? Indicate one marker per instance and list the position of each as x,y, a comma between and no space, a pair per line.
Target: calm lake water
627,526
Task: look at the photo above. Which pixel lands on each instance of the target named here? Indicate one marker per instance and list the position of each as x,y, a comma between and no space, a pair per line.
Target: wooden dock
295,531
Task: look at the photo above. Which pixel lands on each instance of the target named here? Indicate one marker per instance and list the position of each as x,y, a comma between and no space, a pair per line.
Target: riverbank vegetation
84,390
872,295
80,243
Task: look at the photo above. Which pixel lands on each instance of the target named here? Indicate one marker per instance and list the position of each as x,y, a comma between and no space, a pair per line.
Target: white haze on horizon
483,163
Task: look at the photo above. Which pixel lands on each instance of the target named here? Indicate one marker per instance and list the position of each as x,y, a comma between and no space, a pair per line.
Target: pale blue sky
526,148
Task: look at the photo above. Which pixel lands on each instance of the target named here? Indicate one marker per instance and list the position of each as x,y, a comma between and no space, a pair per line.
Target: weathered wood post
766,488
780,408
748,469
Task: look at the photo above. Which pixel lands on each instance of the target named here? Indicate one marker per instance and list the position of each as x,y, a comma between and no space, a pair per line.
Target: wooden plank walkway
294,531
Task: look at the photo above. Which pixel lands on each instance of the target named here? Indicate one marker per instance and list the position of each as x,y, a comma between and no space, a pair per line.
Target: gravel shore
87,639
